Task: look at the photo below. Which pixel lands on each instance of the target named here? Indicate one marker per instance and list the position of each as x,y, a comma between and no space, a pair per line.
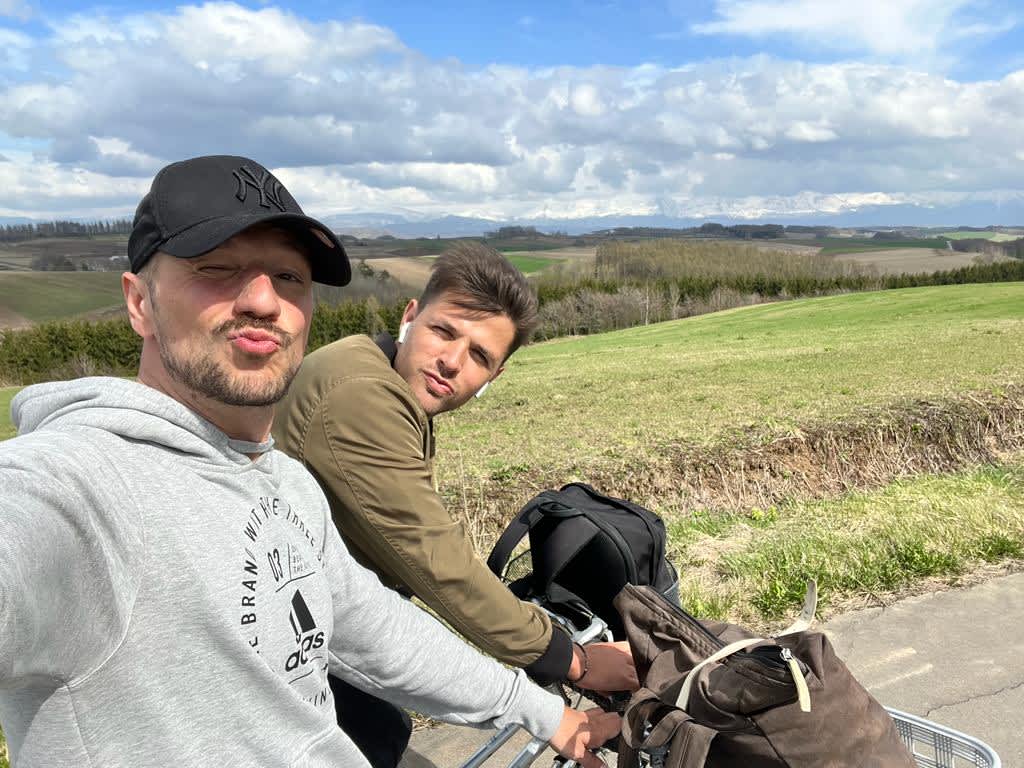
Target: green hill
34,297
574,404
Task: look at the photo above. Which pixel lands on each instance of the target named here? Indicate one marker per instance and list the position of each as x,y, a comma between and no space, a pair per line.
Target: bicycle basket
936,746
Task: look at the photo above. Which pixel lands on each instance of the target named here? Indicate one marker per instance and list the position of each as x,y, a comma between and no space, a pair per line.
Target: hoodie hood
131,410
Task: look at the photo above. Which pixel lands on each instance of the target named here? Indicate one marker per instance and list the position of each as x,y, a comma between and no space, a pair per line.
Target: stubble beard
203,374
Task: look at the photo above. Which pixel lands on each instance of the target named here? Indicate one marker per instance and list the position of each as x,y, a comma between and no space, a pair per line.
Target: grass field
573,405
897,261
998,237
864,547
6,395
607,406
33,297
528,263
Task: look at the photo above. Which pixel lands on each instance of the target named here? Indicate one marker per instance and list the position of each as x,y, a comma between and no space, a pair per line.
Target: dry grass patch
898,261
752,567
412,271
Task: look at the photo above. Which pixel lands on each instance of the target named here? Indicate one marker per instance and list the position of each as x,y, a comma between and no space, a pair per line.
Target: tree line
18,233
1013,249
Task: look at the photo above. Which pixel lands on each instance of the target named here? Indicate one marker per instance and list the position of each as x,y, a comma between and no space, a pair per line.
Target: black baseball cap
196,205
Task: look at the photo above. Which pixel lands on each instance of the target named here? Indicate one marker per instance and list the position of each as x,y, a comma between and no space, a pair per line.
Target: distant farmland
35,297
898,261
966,234
19,256
834,246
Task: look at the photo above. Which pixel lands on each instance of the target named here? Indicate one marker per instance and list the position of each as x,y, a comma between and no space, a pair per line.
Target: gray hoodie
165,600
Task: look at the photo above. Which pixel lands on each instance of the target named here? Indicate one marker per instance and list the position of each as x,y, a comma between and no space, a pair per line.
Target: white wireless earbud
480,392
403,331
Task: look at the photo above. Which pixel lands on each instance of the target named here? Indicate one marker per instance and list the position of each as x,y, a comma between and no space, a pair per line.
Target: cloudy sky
520,110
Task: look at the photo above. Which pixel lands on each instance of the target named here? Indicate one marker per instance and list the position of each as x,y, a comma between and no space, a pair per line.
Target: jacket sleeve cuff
538,711
553,664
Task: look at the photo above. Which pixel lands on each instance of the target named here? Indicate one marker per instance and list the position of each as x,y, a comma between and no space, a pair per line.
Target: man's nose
453,356
258,296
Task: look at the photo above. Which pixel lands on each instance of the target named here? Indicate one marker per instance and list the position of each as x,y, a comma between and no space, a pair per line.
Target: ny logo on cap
268,188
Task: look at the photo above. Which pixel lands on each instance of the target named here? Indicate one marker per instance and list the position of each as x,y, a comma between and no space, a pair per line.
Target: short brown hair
476,277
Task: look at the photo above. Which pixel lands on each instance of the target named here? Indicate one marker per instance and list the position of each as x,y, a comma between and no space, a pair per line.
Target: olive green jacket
356,425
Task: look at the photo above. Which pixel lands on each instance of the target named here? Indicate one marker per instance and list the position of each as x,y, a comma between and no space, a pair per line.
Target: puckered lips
437,386
254,341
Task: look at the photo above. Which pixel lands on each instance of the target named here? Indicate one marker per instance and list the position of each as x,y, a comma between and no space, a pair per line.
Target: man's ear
411,310
140,306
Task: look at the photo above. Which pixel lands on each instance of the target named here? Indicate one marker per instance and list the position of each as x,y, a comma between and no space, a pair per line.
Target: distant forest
1010,248
18,233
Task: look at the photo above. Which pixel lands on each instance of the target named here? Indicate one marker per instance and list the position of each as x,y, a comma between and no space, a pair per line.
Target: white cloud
892,29
353,119
45,189
18,9
802,130
586,101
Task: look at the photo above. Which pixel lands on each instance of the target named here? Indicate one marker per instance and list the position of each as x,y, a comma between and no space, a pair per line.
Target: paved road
955,657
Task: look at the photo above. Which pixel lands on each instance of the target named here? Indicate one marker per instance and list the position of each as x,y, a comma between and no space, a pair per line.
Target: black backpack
584,547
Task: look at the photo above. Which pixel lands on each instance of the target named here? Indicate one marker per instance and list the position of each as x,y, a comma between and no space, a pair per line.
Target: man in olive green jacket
358,415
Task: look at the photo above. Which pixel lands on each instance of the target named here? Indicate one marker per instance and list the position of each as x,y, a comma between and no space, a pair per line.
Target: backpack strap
511,536
532,513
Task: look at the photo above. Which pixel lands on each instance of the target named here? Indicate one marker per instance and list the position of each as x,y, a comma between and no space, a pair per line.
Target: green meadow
528,263
40,296
577,403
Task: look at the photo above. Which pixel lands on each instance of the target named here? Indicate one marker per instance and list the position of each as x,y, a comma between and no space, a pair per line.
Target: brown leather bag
715,695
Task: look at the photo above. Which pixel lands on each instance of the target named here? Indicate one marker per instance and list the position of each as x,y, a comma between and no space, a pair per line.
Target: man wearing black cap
172,589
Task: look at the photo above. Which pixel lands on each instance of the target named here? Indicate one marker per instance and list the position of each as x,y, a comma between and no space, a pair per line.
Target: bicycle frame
597,630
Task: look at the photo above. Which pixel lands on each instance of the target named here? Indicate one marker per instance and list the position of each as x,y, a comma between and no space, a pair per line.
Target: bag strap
806,617
540,507
802,622
682,700
689,741
511,536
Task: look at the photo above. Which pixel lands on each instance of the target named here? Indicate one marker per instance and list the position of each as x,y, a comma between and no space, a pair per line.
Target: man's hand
581,732
609,667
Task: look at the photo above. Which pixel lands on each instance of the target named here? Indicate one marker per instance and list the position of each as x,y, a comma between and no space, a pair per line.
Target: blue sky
743,108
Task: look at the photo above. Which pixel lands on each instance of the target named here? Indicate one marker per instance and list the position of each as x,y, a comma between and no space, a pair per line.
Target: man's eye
214,268
481,358
292,277
443,332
